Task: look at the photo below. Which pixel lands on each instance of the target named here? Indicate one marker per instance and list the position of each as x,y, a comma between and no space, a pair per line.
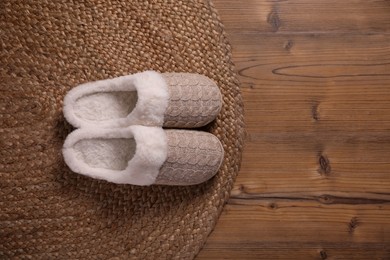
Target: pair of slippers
120,136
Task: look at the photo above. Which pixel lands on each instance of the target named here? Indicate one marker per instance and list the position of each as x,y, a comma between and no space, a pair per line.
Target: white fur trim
143,167
149,110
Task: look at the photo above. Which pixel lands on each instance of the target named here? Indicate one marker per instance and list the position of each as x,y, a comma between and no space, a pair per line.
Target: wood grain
315,175
305,15
278,252
309,222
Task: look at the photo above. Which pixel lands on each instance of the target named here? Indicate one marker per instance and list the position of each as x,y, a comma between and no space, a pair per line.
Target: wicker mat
48,47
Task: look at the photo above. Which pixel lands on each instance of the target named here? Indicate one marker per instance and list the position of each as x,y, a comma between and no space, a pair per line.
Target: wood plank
299,224
322,61
299,230
281,150
278,252
315,99
292,179
305,15
315,163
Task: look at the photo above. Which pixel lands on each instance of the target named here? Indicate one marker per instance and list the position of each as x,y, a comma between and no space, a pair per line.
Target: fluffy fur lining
142,168
152,100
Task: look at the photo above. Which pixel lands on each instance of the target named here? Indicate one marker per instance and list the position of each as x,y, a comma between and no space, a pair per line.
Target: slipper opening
103,106
111,153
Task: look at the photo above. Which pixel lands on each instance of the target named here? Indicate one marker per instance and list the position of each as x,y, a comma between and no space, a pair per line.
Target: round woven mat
49,47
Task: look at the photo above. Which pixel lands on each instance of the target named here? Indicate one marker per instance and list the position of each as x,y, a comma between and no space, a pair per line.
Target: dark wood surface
315,175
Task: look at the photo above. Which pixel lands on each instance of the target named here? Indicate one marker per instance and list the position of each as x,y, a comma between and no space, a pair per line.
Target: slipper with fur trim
143,155
182,100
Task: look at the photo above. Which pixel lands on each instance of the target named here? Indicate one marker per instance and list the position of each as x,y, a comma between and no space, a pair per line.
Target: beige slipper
149,98
143,155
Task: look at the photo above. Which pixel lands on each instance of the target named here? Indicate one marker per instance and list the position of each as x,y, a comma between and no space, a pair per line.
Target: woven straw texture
49,47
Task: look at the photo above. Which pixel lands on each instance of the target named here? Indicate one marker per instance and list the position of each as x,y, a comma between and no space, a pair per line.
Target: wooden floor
315,176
